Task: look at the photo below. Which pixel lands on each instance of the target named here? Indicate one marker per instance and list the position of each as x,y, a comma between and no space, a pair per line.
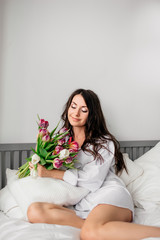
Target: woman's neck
79,135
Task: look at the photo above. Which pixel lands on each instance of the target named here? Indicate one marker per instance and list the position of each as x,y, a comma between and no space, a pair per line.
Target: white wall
49,48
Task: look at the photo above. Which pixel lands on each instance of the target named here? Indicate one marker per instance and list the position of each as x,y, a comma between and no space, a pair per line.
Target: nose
77,112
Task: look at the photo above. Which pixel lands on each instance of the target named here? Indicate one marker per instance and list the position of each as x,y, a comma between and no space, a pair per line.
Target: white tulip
35,159
34,173
64,154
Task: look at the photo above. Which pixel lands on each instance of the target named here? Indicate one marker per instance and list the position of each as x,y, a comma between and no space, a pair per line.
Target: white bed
142,182
16,229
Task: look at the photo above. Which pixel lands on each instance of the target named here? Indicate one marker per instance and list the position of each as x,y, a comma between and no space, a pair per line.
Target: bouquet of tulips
53,150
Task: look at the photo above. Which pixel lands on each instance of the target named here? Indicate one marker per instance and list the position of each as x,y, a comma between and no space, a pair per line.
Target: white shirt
100,179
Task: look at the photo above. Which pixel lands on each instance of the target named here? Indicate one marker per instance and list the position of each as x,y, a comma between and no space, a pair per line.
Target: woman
107,211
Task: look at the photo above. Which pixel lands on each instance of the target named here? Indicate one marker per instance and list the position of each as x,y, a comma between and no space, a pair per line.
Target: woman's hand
43,172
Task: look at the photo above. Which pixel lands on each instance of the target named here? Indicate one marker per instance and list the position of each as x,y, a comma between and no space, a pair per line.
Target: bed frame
12,155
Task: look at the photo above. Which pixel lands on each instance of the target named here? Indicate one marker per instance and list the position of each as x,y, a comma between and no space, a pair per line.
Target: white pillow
8,204
28,190
134,170
146,189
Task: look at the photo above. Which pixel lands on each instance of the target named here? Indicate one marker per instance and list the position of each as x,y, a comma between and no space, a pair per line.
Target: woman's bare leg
107,222
53,214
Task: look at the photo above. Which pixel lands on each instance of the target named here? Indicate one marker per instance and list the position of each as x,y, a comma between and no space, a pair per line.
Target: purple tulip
57,163
43,124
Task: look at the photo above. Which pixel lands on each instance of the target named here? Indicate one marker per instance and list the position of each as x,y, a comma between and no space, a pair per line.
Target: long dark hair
96,131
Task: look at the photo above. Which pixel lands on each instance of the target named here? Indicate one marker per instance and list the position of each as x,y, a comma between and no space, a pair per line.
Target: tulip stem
49,161
24,170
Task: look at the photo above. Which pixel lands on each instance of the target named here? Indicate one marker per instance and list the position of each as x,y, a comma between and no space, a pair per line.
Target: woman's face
78,111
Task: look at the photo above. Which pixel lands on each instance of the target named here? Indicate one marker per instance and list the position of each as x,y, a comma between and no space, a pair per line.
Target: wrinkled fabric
15,229
100,179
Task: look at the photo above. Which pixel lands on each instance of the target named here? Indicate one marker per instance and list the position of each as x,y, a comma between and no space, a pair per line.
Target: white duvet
16,229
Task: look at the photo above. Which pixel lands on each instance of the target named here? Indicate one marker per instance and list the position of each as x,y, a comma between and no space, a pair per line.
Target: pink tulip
46,138
58,149
61,141
71,150
43,124
69,160
57,163
74,146
43,132
63,130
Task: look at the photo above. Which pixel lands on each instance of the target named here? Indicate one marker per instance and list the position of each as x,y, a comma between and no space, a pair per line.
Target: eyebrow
76,104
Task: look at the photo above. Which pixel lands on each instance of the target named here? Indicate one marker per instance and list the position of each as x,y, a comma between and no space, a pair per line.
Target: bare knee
97,232
35,212
41,212
89,232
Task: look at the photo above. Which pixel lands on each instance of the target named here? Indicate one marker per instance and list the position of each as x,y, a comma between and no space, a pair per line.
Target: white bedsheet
150,217
16,229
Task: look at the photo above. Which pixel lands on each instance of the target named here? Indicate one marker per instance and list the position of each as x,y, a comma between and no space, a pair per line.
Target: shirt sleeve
92,174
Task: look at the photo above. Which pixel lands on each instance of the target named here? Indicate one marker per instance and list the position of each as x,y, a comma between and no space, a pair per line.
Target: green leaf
46,144
42,161
51,134
51,146
38,117
52,157
28,159
50,167
38,144
35,152
48,155
61,135
43,152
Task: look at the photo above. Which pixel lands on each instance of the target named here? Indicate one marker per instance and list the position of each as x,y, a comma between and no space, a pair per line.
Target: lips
75,119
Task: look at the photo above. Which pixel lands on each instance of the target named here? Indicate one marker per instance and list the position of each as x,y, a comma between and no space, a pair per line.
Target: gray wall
51,47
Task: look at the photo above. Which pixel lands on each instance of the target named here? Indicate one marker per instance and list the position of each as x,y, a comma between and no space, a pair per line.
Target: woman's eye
84,110
73,106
